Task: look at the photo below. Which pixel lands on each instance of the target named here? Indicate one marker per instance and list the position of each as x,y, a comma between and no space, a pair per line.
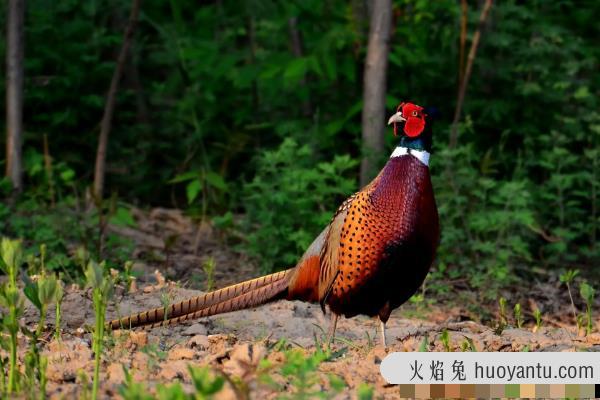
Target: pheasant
370,259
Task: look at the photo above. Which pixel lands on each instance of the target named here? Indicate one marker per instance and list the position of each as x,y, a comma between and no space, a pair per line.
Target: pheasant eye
414,113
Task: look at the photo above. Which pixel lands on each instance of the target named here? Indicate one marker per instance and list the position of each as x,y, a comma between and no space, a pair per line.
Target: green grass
102,286
11,256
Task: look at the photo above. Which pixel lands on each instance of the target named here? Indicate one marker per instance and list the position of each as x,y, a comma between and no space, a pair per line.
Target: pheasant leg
383,334
331,335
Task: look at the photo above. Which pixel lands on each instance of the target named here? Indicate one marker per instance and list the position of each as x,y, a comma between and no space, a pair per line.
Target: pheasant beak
396,118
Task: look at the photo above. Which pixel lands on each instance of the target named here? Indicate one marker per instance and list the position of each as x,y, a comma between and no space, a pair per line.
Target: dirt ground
235,343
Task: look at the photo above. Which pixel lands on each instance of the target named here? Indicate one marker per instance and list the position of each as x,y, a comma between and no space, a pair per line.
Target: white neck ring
422,156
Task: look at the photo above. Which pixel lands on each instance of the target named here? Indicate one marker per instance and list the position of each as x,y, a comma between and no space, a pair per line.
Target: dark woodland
212,141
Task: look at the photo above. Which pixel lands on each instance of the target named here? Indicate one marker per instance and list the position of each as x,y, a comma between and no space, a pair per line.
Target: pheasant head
412,124
410,117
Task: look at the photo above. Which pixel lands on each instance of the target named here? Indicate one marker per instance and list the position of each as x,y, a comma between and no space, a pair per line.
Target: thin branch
467,74
463,41
106,124
49,173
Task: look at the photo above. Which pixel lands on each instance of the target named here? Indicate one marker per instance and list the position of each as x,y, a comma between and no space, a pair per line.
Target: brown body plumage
369,260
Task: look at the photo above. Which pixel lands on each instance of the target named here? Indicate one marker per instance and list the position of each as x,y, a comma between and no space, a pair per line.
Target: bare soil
234,343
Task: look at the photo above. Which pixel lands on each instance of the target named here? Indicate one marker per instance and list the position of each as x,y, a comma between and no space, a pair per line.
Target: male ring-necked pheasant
371,258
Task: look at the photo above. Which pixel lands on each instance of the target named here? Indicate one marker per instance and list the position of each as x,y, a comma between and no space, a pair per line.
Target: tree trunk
14,92
373,115
109,108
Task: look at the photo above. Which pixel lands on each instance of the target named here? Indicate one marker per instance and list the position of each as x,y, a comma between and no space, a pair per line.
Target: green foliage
132,390
41,289
485,222
567,278
302,375
468,345
299,370
63,228
503,319
445,339
518,315
11,256
207,184
290,200
208,97
102,286
424,346
208,266
205,383
537,314
58,297
587,293
365,392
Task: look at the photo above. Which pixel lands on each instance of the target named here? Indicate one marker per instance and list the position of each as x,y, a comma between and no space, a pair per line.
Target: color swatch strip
555,391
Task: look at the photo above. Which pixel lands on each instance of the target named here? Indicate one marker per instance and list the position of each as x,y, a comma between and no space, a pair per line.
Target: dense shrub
290,200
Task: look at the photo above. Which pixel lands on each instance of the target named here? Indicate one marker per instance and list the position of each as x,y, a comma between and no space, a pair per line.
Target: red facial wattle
414,126
415,119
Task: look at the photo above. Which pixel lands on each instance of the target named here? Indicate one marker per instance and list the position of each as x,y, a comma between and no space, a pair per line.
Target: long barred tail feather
236,297
262,295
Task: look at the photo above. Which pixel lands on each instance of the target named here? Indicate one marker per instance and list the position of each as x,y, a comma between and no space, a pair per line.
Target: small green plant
587,292
518,315
579,321
128,273
445,338
165,301
365,391
208,266
58,297
210,185
467,345
155,355
503,318
84,381
36,366
301,372
41,292
424,346
537,314
11,257
132,390
205,383
101,285
3,365
567,278
43,377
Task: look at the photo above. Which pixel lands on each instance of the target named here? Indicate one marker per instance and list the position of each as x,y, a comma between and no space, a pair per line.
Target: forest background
251,116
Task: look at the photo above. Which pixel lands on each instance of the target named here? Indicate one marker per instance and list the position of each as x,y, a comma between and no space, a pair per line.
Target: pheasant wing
331,244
